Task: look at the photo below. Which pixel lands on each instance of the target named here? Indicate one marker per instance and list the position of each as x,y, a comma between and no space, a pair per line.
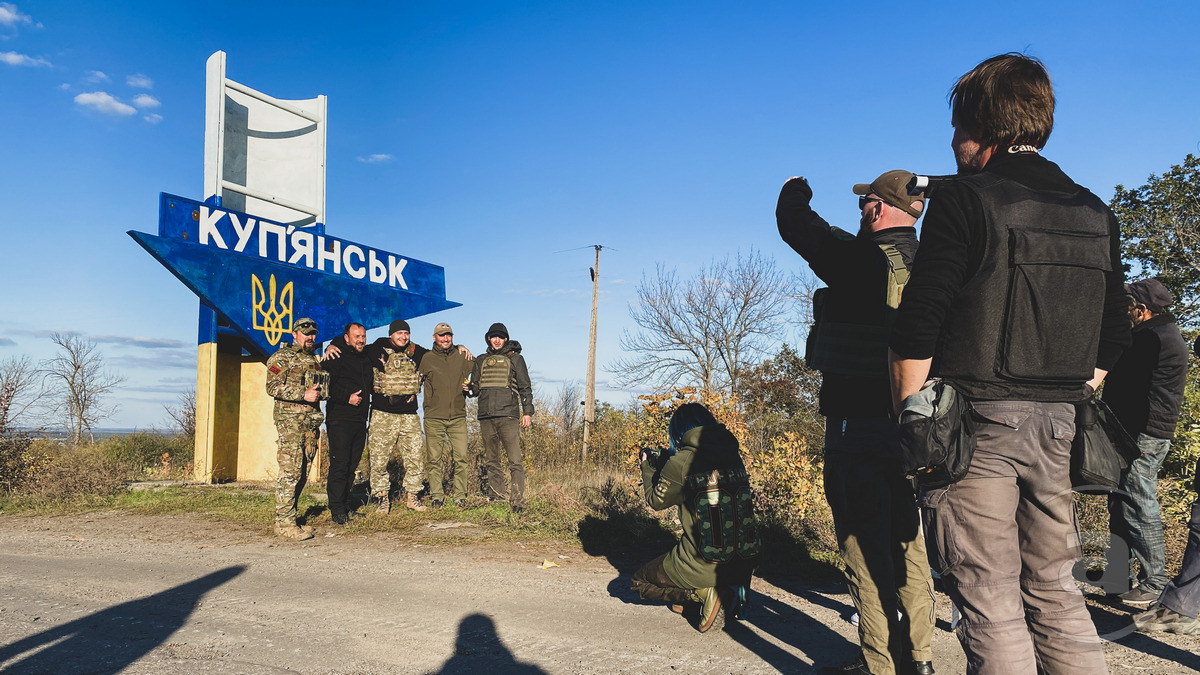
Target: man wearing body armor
873,505
395,433
1017,300
501,381
298,386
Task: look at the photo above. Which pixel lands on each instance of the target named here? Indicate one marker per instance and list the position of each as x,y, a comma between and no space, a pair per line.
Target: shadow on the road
792,627
110,640
621,537
478,649
1114,623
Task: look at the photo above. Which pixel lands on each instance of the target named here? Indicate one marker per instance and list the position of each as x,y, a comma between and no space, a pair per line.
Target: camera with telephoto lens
926,184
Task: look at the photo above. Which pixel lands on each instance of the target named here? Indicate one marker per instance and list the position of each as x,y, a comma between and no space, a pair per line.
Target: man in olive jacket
501,381
701,472
446,373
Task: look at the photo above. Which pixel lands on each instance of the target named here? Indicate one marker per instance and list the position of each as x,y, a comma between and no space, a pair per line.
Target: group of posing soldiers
370,394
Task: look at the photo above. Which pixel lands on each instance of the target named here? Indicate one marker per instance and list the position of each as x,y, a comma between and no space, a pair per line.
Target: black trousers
346,442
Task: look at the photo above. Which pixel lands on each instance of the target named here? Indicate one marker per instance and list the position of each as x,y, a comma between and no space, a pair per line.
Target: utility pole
589,409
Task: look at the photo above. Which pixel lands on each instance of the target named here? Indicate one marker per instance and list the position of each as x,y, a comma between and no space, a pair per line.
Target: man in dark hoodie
1145,391
350,383
501,381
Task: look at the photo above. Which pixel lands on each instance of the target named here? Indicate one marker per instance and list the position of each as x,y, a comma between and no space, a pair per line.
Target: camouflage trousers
298,437
395,437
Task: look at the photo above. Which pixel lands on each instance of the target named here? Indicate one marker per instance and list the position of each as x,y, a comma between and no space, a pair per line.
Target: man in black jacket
1145,390
1017,300
874,512
501,381
350,381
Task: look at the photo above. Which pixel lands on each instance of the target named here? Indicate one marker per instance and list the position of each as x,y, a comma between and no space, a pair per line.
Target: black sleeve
850,264
952,242
1114,326
344,379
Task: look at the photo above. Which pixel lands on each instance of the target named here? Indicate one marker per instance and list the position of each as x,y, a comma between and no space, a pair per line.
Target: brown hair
1005,100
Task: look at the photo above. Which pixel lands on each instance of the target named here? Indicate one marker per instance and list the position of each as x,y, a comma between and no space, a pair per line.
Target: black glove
795,191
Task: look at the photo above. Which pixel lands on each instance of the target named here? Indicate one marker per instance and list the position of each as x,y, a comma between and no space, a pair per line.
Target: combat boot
384,506
710,608
413,503
292,531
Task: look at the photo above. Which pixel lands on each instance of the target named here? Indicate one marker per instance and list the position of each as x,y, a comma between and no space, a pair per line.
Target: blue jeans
1134,514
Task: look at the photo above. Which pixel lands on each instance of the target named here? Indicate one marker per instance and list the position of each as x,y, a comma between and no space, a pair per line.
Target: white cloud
104,102
379,158
153,118
139,81
11,16
146,101
95,76
64,86
15,59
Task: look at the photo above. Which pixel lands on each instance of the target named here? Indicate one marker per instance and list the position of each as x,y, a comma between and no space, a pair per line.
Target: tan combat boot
414,503
292,531
385,505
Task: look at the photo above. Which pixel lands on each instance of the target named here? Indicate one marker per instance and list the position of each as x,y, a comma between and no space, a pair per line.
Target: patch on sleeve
275,370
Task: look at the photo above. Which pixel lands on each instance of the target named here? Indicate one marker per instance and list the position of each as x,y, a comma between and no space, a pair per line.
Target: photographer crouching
701,472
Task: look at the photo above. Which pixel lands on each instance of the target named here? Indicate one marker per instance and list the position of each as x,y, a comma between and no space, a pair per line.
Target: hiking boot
678,609
384,506
856,667
1163,620
459,502
413,503
292,531
922,668
340,519
710,609
437,502
1139,597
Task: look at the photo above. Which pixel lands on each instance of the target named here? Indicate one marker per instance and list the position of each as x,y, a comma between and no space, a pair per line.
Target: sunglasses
864,200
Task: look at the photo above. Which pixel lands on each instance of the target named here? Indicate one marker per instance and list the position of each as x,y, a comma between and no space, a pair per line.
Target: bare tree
565,408
707,329
18,380
79,383
184,415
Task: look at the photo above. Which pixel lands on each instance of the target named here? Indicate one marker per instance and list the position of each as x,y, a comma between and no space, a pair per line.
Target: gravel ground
117,592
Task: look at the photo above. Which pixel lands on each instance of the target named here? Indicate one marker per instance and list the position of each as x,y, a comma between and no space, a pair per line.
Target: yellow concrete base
235,433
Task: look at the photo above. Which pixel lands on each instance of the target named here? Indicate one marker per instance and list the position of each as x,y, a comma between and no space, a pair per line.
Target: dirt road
115,592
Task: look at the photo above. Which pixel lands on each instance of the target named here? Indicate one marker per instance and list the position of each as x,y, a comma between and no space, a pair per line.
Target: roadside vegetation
710,338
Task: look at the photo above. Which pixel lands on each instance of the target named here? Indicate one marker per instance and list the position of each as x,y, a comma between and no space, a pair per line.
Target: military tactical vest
843,348
1026,326
399,376
497,372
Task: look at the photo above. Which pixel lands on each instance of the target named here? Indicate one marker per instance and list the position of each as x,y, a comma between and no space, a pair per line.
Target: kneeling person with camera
701,472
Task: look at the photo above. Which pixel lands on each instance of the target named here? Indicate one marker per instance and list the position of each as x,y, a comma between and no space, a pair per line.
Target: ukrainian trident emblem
276,319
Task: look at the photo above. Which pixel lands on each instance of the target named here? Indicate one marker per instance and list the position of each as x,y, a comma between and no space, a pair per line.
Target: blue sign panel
263,275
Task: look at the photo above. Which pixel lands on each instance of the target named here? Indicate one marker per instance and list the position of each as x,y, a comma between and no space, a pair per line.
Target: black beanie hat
496,329
398,324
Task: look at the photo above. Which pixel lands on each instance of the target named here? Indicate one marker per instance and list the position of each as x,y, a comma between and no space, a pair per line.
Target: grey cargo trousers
1004,539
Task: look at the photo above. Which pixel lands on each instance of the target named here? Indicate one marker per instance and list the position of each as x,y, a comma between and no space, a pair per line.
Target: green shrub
20,461
148,450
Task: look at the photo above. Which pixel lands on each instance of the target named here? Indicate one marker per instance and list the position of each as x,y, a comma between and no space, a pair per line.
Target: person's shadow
110,640
478,649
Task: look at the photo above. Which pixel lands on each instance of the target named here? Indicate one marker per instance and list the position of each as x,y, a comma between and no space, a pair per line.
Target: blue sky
487,137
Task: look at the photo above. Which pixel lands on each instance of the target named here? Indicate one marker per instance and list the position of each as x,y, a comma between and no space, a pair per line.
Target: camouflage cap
306,326
443,329
892,187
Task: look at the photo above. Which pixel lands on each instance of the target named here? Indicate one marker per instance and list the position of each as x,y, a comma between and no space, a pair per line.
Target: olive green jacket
707,480
444,372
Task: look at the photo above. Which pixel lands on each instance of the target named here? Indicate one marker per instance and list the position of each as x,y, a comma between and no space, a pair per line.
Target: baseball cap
892,187
305,326
1151,293
443,329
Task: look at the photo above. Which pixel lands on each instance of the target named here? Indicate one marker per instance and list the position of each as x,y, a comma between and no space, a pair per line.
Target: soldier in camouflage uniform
395,432
295,382
702,473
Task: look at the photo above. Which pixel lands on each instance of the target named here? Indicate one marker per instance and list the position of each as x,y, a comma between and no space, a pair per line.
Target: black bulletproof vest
1027,325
